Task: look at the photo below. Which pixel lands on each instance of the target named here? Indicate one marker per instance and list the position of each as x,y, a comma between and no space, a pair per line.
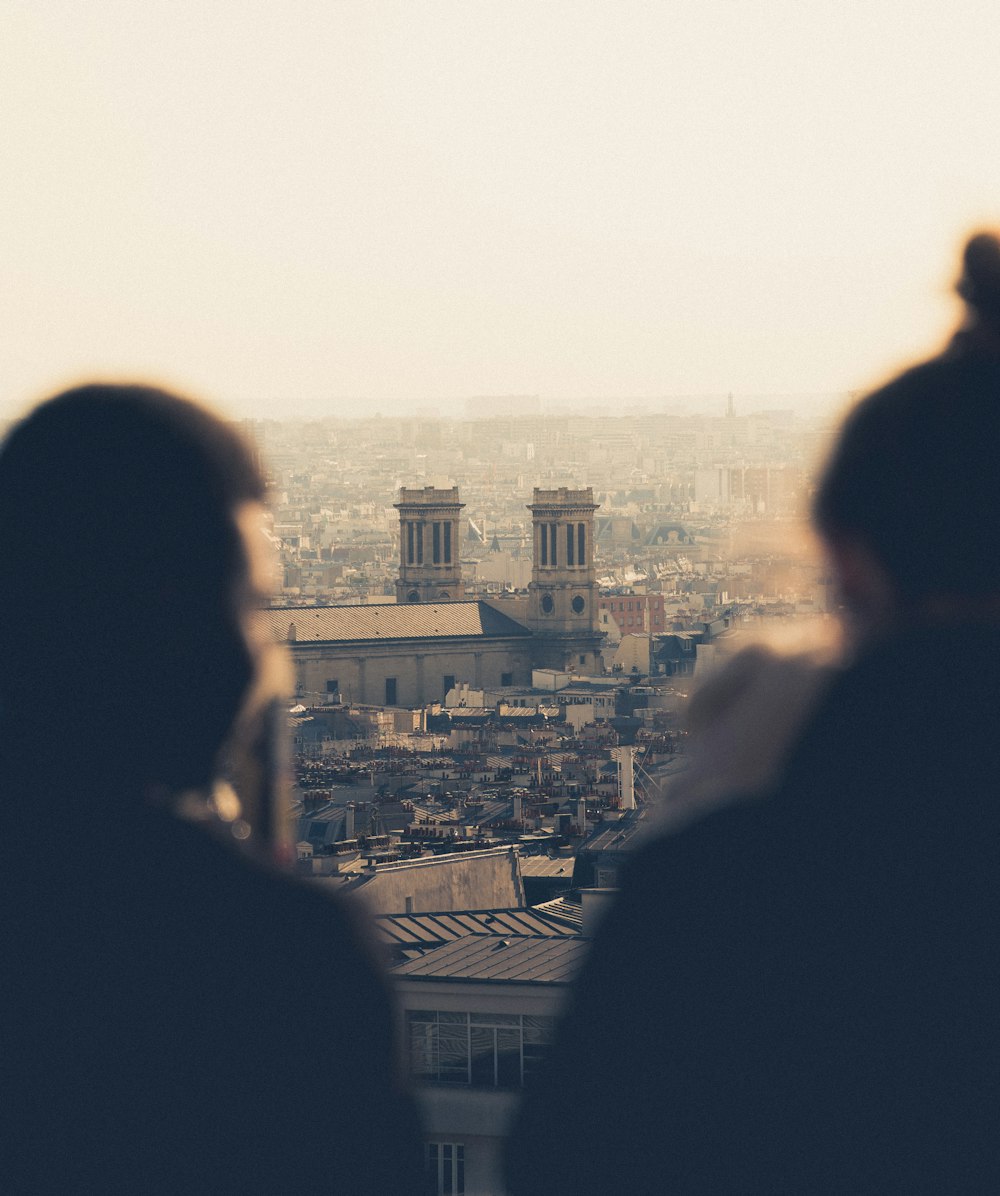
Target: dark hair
914,474
118,572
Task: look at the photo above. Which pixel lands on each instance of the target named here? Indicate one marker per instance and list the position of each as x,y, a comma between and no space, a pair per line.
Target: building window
569,544
583,659
553,544
544,544
506,678
547,604
390,691
449,684
446,1165
581,547
478,1050
413,596
436,543
447,543
419,530
578,604
409,542
333,686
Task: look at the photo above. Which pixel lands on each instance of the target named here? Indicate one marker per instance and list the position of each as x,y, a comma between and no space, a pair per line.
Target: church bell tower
562,596
429,566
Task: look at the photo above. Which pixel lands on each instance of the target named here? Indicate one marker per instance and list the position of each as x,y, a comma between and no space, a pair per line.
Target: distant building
478,1015
562,596
634,613
401,655
755,490
414,651
429,526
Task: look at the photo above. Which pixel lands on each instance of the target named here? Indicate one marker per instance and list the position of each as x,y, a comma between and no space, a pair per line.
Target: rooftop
566,909
543,865
435,929
517,959
616,836
389,621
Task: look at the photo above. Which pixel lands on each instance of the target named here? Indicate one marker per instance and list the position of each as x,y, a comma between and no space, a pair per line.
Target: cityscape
499,639
495,624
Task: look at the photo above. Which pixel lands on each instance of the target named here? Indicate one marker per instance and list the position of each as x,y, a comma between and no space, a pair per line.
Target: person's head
126,583
910,499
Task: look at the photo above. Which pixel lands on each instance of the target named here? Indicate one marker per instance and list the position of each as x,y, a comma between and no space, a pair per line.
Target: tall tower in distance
562,596
429,566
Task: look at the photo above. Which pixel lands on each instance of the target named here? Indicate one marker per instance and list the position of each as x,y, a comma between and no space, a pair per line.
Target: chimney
349,821
594,904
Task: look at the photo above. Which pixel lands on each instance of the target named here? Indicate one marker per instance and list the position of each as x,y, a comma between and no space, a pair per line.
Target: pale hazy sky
282,207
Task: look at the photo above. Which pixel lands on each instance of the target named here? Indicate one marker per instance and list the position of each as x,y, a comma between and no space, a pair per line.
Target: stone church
413,651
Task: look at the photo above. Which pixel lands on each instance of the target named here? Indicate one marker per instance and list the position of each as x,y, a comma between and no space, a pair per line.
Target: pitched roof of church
404,621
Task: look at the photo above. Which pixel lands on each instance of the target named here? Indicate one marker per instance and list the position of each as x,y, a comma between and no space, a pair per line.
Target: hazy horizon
486,405
396,206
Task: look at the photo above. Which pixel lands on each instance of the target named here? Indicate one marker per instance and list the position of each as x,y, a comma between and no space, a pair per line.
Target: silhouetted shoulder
790,994
193,1022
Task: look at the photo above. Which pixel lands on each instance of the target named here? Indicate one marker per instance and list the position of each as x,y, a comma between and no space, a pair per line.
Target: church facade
413,651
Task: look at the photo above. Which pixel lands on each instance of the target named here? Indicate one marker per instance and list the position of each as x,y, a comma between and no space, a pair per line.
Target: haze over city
291,211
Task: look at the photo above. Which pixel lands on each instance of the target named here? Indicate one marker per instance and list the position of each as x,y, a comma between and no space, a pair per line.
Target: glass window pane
494,1019
538,1033
483,1053
539,1029
453,1054
423,1044
508,1058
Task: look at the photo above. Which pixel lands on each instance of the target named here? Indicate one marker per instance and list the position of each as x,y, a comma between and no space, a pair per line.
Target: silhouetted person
797,991
177,1016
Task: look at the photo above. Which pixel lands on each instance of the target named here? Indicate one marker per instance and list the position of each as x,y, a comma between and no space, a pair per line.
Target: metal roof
565,909
432,930
616,836
543,865
391,621
513,960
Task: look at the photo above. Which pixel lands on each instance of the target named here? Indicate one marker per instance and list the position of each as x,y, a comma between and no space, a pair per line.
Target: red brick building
635,612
